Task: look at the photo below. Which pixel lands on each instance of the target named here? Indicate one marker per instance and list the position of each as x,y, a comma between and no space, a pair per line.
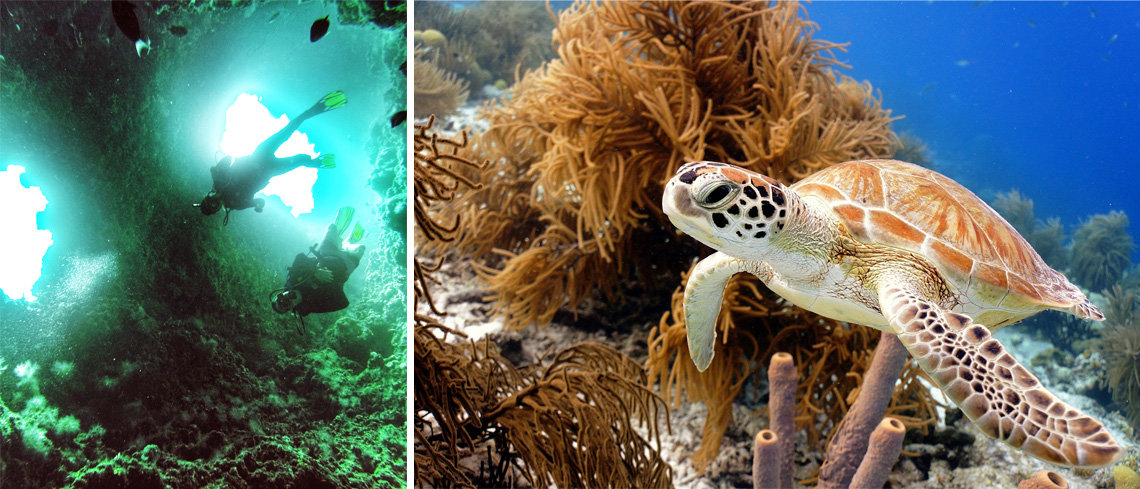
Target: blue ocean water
1039,96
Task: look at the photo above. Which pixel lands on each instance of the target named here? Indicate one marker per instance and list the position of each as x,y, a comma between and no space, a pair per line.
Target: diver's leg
329,102
285,165
331,243
270,145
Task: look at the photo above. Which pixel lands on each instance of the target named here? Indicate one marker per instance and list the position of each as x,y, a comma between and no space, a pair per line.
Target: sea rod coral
541,423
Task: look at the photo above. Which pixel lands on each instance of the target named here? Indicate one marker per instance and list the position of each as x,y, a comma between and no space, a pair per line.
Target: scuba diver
315,284
236,182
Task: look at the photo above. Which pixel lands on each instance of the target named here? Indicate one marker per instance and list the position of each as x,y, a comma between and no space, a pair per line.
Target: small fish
404,67
1112,39
1104,58
1031,23
274,16
962,63
929,87
398,118
1092,13
319,29
178,30
124,14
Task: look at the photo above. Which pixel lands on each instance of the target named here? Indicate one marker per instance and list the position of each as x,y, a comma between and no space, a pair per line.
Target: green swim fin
328,161
334,100
357,234
343,219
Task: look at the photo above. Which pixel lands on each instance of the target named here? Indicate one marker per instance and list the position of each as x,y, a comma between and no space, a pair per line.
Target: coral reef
1046,237
437,178
911,149
849,444
486,41
437,92
1101,251
543,422
1017,209
1120,345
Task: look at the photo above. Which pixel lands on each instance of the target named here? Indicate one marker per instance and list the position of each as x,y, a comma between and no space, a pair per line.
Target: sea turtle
899,248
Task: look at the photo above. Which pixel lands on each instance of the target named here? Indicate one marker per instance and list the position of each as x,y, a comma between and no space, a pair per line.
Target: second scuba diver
316,283
236,181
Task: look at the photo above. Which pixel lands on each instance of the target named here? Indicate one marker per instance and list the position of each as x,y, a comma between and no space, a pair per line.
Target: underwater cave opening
24,245
248,123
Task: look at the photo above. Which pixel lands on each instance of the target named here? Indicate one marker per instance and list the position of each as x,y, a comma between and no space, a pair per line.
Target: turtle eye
717,195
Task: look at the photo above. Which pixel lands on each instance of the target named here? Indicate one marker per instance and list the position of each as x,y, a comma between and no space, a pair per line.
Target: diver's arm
331,242
217,174
301,271
241,202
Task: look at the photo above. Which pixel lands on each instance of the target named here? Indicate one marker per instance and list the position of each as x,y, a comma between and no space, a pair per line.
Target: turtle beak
675,201
684,214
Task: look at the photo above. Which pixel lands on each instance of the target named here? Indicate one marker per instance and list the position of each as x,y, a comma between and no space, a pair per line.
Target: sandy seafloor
957,456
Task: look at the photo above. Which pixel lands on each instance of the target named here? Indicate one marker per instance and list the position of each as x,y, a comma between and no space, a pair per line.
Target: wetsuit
238,180
317,296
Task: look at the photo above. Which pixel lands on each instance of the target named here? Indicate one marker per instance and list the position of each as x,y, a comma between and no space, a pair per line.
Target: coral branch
850,442
437,179
782,380
545,422
767,461
882,453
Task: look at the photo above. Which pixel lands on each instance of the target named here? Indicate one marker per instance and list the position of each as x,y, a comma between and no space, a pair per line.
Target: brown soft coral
438,175
543,422
546,421
437,91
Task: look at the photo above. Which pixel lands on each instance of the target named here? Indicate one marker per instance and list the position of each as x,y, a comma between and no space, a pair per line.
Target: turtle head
731,209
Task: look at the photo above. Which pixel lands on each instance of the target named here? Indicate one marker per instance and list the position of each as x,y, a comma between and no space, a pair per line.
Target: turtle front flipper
996,392
703,295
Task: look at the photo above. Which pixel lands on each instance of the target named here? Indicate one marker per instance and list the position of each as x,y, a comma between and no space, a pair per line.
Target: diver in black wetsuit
235,182
316,283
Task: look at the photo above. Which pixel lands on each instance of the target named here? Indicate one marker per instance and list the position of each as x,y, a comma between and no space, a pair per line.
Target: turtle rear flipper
997,393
